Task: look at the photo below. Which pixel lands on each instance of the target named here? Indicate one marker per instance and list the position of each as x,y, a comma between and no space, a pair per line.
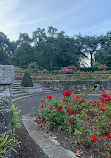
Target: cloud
71,16
7,23
100,28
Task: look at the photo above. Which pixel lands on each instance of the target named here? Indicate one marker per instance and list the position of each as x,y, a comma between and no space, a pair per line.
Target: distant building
86,62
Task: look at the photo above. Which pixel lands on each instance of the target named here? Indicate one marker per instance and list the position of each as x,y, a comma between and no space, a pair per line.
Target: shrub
27,80
102,67
4,144
44,71
33,68
85,69
89,122
14,125
18,69
33,65
69,69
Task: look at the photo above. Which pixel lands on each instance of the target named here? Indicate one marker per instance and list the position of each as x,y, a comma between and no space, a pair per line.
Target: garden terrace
97,75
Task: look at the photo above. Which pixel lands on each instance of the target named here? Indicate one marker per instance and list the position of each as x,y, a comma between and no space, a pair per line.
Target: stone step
15,89
19,95
18,91
19,84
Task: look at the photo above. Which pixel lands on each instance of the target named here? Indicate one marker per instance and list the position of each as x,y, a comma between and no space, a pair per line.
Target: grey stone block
5,119
6,74
5,96
6,80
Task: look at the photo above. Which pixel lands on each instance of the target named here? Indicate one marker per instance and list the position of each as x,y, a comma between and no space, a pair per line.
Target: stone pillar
6,80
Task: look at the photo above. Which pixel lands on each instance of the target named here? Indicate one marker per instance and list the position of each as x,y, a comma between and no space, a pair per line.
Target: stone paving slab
50,147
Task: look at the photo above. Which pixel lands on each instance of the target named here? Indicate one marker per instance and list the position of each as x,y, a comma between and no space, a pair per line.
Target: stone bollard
6,80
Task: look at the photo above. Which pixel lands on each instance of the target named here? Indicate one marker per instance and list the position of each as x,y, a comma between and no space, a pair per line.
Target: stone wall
75,84
6,80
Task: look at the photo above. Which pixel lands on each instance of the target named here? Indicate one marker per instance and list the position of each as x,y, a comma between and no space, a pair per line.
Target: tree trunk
91,59
51,63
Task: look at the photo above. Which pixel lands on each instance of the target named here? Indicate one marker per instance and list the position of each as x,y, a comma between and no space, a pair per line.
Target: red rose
98,103
109,135
104,95
59,108
73,112
66,93
42,106
94,105
42,100
104,101
78,97
39,117
108,98
69,113
102,109
49,97
70,121
94,139
68,108
82,100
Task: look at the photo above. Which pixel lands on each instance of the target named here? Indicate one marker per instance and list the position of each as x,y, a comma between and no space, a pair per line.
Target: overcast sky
88,17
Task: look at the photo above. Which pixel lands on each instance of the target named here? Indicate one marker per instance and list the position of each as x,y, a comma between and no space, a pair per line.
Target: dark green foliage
6,49
14,125
27,80
88,69
23,53
103,55
4,144
55,49
52,68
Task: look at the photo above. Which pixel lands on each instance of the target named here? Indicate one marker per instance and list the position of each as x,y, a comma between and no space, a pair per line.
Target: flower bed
86,124
78,75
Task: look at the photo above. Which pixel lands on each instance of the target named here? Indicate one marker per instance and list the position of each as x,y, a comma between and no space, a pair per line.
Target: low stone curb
49,145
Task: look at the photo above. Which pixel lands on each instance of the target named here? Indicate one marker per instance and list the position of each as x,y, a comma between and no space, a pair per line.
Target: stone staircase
17,91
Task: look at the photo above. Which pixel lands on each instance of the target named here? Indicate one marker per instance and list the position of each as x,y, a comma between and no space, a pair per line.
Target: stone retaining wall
76,84
6,80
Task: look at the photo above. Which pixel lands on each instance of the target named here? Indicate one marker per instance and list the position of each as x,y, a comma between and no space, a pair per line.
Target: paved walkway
50,146
26,105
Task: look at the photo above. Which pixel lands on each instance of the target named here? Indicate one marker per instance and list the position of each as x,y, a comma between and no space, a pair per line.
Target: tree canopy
52,48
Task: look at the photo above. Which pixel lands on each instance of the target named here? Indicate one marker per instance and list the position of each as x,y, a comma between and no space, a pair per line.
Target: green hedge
52,68
27,80
91,69
88,69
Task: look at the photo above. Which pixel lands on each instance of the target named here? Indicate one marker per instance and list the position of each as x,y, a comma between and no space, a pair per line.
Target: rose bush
89,122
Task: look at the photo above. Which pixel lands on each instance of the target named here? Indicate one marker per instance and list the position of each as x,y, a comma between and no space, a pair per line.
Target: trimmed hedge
27,80
52,68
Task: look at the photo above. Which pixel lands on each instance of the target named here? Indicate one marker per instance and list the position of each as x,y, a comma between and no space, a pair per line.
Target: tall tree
23,52
38,36
103,54
5,49
52,31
